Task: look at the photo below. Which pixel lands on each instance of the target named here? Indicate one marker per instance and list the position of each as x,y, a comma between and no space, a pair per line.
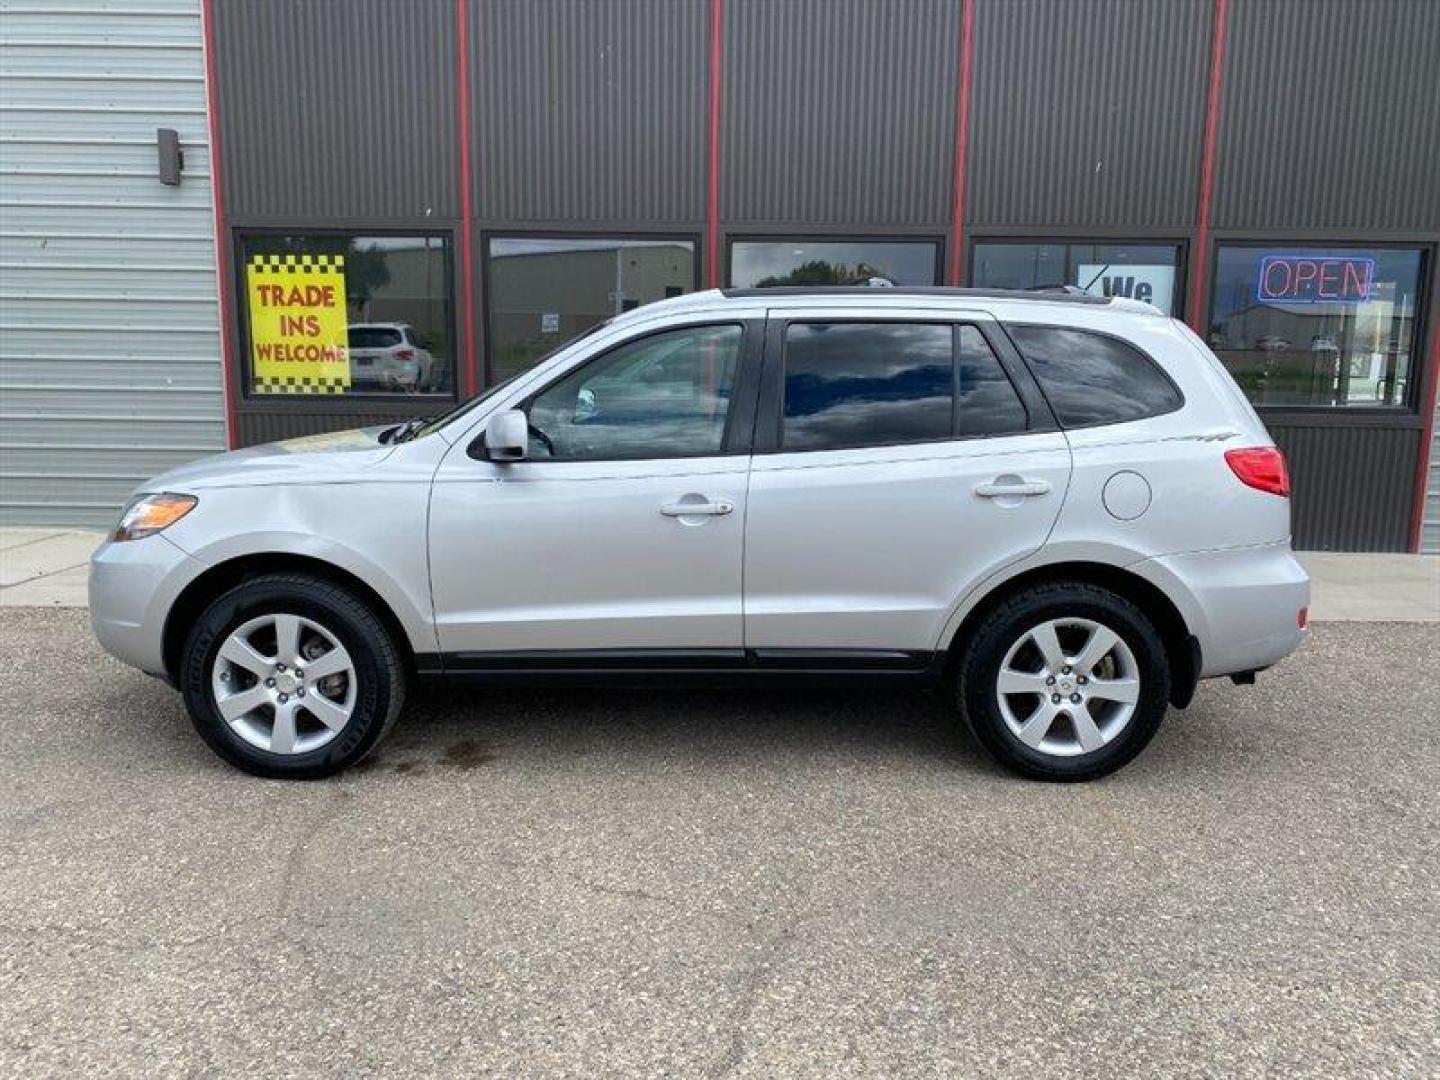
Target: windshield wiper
403,432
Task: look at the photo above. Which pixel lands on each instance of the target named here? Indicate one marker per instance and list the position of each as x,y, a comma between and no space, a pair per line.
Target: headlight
151,513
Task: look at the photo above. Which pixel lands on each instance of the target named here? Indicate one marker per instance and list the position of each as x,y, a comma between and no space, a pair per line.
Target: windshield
465,406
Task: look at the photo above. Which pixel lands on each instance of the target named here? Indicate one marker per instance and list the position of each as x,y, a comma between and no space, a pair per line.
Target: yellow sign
299,342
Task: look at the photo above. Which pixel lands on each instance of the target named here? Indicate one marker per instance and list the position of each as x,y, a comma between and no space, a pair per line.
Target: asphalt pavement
625,883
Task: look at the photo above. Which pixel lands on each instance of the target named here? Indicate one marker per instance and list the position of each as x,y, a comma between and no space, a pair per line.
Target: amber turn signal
151,513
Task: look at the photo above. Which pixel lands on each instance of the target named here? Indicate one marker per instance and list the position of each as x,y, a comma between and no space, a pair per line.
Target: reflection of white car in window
388,356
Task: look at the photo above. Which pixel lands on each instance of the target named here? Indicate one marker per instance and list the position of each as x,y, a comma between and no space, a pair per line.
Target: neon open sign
1315,279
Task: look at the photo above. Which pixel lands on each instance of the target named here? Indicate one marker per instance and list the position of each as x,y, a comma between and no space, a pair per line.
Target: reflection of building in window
544,292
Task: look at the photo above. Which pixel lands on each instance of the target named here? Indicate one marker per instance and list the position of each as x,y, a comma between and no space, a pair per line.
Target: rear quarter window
1091,378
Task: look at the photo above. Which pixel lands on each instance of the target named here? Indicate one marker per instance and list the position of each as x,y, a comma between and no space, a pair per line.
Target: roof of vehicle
871,296
379,326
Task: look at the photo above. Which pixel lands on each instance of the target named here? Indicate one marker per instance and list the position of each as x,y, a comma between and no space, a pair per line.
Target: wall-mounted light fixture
172,158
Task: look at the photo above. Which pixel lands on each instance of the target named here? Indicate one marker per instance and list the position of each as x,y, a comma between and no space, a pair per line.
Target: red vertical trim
222,261
467,212
1201,262
712,180
962,139
1422,470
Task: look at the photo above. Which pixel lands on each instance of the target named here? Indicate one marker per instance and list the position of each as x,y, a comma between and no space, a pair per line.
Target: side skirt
668,667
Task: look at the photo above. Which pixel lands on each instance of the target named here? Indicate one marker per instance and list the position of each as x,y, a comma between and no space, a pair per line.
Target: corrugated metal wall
1330,117
839,113
337,109
590,114
1089,113
1353,485
109,330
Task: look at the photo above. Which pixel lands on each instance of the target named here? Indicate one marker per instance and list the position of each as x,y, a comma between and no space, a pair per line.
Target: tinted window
985,402
866,384
370,337
1093,379
667,395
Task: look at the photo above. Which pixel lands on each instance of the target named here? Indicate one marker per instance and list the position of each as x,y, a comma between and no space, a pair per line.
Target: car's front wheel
1064,681
291,676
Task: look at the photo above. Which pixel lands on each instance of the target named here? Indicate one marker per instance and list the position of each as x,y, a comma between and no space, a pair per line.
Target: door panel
871,548
587,555
624,529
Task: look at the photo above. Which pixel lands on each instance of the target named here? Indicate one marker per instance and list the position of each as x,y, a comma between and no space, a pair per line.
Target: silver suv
1057,509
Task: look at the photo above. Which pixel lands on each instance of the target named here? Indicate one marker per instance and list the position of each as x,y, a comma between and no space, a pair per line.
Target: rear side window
884,384
985,402
1093,379
867,384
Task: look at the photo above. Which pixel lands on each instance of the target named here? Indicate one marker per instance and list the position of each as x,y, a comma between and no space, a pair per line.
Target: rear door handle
712,508
1001,489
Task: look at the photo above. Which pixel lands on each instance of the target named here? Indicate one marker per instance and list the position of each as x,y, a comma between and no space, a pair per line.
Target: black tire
380,672
979,660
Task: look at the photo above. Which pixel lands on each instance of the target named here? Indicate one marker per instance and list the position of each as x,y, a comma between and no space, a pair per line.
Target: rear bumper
1242,604
132,586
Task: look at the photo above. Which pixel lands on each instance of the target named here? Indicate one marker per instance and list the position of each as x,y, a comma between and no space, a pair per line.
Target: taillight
1262,468
405,354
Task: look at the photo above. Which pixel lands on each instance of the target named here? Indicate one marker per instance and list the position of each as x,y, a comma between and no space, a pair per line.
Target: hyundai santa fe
1057,509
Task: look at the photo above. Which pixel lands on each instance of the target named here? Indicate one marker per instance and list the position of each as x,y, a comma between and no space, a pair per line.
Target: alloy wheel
1068,686
284,683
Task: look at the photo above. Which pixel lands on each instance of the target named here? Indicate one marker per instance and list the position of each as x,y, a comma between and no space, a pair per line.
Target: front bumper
1243,603
132,587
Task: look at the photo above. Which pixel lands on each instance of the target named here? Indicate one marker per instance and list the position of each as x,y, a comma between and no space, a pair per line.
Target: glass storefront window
543,291
1319,327
341,313
1146,272
766,263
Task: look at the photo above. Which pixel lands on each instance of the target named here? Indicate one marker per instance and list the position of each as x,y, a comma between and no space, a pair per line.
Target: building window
544,291
1148,272
1320,327
331,314
766,263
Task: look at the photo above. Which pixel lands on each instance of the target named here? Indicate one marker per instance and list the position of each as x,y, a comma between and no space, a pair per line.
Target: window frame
1050,238
240,233
739,423
487,372
1342,415
1154,364
731,239
770,416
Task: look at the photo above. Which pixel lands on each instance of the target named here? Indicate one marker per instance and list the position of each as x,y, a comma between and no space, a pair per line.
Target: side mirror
507,436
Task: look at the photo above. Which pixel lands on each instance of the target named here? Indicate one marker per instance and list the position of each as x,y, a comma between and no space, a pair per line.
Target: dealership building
224,222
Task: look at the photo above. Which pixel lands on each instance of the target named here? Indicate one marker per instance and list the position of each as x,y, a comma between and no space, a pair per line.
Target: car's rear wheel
1064,681
291,676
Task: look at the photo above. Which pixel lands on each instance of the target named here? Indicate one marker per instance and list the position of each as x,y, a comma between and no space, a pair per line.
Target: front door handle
705,507
1009,489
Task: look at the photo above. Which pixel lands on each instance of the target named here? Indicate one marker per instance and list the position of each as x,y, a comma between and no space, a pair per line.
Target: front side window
1094,379
771,263
665,395
1140,271
340,313
1318,327
543,291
